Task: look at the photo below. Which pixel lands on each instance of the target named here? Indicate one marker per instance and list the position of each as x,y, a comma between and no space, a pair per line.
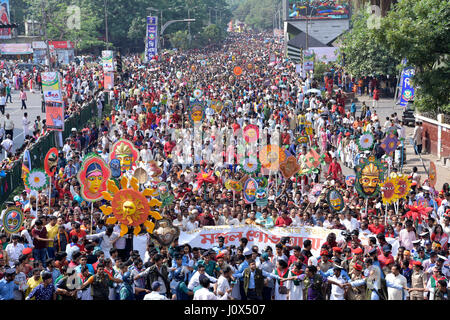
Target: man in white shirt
195,280
155,295
109,237
14,250
204,293
396,278
350,222
407,236
224,289
337,280
7,145
26,123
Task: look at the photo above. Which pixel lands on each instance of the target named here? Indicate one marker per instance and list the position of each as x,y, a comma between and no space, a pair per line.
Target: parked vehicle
408,115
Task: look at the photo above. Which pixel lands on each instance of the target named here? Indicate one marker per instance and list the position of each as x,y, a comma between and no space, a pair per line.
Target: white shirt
107,241
351,224
222,286
194,282
396,294
204,294
337,293
154,295
14,252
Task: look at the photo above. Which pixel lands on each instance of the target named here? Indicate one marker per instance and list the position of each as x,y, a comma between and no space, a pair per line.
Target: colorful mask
402,186
388,191
165,232
262,182
51,162
289,167
250,187
93,175
12,220
335,200
125,151
114,165
261,197
196,112
369,176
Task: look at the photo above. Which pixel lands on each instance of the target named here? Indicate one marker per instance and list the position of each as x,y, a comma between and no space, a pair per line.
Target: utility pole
189,27
106,25
44,16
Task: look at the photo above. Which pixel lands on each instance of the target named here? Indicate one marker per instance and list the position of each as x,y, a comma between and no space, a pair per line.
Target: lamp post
106,25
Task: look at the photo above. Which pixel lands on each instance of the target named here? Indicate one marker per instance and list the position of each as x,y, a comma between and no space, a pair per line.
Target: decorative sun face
130,207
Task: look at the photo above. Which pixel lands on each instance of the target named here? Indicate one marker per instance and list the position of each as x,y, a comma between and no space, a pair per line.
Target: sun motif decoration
365,141
129,207
37,179
402,186
271,156
250,165
388,190
237,71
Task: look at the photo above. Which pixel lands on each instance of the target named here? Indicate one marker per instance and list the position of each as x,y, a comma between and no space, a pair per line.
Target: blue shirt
7,289
330,273
251,284
244,265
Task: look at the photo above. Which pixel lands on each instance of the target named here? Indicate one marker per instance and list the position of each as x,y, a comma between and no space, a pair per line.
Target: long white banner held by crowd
207,237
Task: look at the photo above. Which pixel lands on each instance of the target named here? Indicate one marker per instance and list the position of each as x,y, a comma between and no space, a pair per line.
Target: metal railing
13,178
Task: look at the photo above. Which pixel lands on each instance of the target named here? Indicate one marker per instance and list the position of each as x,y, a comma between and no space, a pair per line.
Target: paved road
33,109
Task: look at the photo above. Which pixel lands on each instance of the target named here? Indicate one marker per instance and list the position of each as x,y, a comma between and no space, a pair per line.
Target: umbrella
314,91
273,87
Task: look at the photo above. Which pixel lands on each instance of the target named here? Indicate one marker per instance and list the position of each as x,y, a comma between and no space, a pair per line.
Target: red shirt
38,244
376,229
384,261
335,169
283,222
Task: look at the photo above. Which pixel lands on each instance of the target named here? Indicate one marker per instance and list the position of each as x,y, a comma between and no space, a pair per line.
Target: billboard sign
151,42
318,10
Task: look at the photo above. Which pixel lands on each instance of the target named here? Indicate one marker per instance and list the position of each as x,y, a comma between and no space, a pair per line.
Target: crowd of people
67,251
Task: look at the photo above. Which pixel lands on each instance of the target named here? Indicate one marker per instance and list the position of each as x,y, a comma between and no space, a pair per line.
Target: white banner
207,237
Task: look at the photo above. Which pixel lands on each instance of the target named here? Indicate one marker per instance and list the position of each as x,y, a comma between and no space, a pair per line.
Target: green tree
180,39
419,32
363,54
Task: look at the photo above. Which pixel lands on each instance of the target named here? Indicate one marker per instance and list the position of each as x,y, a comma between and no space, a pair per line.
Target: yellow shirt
31,285
51,233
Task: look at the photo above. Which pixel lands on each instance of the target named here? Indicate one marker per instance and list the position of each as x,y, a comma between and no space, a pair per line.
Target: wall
436,136
323,30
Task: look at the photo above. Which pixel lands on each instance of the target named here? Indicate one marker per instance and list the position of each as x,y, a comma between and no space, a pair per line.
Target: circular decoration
125,151
165,232
271,156
13,220
93,175
302,140
114,165
350,180
402,186
289,167
216,105
249,193
365,141
51,162
390,144
203,63
163,190
237,71
179,75
37,180
141,175
228,105
197,93
251,133
250,165
193,68
335,200
130,207
432,174
249,66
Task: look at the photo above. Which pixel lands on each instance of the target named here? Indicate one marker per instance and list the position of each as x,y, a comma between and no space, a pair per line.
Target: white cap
247,251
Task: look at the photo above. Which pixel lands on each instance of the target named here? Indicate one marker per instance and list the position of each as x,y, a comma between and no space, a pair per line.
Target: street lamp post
106,25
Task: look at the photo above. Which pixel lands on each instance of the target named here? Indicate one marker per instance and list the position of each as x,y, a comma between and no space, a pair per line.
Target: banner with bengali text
207,237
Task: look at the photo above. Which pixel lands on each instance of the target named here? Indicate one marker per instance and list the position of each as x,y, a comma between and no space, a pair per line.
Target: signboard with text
151,42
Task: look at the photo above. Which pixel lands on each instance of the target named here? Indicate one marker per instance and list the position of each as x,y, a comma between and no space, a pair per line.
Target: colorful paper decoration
369,175
217,106
114,165
228,105
390,144
350,180
141,175
196,112
249,192
251,133
302,139
262,182
402,186
197,93
237,71
37,180
205,177
179,75
315,193
130,207
125,151
432,174
310,162
289,167
271,156
250,165
261,197
203,63
335,200
193,68
233,185
417,212
388,191
51,162
93,175
165,232
155,170
13,220
365,141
